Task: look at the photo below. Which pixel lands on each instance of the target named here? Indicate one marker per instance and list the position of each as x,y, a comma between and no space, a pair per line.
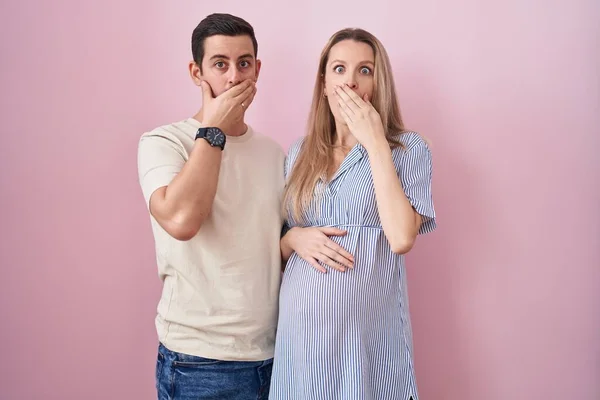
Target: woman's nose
352,84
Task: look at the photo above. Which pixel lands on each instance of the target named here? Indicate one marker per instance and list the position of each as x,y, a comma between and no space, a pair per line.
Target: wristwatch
214,136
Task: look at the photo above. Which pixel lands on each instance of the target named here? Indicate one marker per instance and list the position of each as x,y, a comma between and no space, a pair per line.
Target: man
213,188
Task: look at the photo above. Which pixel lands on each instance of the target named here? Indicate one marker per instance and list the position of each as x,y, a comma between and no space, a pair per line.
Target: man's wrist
204,146
215,137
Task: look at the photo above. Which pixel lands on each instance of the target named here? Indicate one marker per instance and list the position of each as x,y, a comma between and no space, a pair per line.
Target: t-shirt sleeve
414,167
160,159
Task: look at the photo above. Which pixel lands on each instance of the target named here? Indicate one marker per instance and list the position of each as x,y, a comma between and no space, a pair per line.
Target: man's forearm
185,203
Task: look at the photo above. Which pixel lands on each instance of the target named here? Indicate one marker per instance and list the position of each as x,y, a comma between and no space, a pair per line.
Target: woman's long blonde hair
316,153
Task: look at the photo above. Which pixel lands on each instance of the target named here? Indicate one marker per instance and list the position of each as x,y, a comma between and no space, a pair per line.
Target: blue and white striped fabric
347,335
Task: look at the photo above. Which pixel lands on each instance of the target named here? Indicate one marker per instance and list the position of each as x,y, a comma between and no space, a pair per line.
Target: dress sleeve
414,168
292,154
288,166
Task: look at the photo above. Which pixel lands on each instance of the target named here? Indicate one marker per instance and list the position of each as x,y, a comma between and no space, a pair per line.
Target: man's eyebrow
224,57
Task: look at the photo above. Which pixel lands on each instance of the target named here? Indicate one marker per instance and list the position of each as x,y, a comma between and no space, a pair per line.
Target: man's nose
234,77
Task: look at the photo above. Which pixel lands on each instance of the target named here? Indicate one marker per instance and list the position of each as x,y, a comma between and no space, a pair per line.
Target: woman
358,193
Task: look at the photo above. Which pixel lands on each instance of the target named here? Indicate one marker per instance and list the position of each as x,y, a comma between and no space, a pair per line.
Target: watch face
215,137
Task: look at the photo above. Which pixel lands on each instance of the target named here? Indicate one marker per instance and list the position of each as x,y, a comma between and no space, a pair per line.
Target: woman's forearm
399,220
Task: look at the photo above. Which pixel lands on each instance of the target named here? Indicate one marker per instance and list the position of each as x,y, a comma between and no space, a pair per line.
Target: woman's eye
339,69
365,70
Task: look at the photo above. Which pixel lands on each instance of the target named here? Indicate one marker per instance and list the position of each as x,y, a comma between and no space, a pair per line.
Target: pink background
505,296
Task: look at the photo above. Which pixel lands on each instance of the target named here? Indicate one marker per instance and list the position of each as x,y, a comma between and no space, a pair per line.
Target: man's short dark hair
219,24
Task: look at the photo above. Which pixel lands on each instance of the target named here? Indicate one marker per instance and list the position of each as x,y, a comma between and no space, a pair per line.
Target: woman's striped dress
347,335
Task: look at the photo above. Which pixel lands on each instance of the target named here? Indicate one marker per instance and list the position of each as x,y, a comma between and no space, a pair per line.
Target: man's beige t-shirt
220,289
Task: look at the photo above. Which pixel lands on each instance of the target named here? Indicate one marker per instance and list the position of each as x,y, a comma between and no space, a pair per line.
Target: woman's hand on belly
315,246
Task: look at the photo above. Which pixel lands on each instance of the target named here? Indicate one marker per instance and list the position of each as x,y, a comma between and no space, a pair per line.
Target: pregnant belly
337,296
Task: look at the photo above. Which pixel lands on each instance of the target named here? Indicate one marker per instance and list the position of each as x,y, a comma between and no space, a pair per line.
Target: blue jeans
184,377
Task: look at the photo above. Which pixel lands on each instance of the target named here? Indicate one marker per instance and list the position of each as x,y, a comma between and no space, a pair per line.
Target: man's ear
258,65
195,73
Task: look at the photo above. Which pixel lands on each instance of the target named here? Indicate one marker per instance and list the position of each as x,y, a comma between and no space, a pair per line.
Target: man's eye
220,64
244,64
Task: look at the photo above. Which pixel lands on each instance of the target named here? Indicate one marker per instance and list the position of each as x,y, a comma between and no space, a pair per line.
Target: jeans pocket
196,362
160,361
